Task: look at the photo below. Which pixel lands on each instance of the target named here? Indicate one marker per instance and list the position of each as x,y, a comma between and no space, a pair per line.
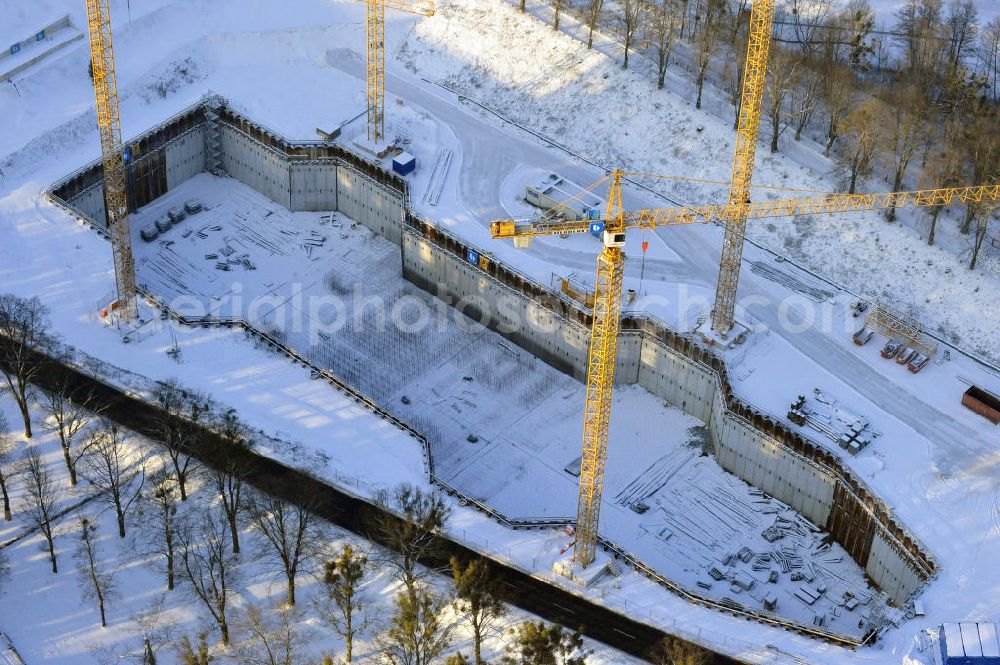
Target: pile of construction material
173,217
823,414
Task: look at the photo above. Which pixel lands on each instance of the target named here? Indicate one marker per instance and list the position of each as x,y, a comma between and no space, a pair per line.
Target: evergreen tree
342,578
417,633
477,598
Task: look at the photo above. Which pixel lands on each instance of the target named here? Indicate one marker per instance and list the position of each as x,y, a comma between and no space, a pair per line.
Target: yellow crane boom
748,130
821,205
375,58
608,293
112,155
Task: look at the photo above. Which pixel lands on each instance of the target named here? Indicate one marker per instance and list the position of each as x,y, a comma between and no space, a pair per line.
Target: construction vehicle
113,157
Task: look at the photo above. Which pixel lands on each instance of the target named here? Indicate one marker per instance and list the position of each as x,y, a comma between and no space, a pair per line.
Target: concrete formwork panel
370,203
313,186
535,328
91,202
890,571
676,379
629,358
185,157
765,463
255,165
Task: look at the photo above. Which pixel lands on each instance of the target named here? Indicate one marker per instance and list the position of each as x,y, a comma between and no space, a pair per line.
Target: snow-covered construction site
819,484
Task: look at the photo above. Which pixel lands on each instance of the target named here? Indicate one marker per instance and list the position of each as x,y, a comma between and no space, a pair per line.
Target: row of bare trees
915,104
198,547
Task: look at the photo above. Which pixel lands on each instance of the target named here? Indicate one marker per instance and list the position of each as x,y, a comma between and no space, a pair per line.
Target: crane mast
608,293
754,80
375,57
112,155
600,377
375,32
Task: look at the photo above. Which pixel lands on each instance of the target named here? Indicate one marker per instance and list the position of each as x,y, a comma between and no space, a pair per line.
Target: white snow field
56,623
288,66
677,510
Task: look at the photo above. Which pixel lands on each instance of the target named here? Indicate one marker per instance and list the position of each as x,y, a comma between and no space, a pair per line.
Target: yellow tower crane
112,155
375,31
748,130
608,295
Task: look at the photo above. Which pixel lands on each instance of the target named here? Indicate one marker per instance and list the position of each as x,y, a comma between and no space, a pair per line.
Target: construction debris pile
799,565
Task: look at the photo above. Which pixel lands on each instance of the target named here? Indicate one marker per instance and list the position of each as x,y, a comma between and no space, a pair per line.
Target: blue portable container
404,163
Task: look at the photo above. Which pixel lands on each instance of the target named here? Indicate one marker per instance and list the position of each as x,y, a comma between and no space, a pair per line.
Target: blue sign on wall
597,229
472,257
127,155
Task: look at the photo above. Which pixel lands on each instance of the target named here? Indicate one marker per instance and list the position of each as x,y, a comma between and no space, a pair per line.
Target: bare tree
989,58
97,584
859,19
289,533
70,410
732,75
6,449
707,43
160,532
414,534
981,139
806,97
478,599
344,606
417,633
111,466
155,630
783,70
943,168
632,15
982,227
179,407
209,567
921,34
808,19
862,141
41,497
557,10
593,16
24,324
901,135
230,474
837,94
664,24
271,637
961,28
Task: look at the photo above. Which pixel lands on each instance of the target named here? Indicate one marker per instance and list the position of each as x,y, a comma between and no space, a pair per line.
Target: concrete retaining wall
676,368
313,186
256,165
671,365
185,156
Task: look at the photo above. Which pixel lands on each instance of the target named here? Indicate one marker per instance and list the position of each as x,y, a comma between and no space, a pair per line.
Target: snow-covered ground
933,462
55,623
454,381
